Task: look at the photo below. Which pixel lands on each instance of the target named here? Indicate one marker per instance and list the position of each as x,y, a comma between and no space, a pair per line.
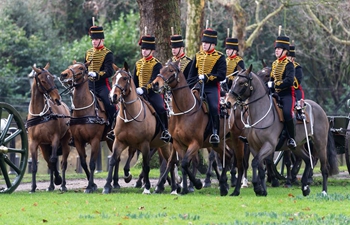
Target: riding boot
110,135
214,138
165,135
291,133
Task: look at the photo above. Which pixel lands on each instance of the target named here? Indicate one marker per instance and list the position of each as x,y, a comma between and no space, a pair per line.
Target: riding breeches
213,97
157,102
299,93
288,102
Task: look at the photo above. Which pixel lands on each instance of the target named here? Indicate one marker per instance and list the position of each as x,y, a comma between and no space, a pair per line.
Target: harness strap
88,120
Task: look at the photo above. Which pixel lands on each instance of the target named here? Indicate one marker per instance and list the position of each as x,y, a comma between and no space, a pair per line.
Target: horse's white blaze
111,93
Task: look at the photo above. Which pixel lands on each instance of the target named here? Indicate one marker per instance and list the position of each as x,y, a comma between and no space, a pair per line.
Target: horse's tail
332,155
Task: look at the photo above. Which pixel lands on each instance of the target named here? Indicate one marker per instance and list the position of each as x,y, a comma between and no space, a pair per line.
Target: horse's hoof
58,180
178,188
190,189
146,191
198,184
223,191
88,191
128,178
50,188
116,186
53,159
138,184
207,185
306,190
63,189
94,187
233,182
107,190
173,193
235,193
275,183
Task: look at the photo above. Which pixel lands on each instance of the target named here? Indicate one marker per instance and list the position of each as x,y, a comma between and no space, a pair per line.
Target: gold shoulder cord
206,62
97,57
295,83
278,68
144,70
231,65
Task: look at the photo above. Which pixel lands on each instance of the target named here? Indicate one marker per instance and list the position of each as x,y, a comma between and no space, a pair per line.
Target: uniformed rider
282,79
146,70
209,67
178,51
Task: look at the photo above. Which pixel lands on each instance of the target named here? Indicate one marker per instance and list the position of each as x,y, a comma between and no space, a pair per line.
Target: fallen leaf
290,195
141,208
35,204
45,221
23,209
307,209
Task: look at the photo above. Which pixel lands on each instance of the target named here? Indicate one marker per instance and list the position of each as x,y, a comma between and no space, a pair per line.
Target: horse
136,127
264,127
189,128
47,127
88,123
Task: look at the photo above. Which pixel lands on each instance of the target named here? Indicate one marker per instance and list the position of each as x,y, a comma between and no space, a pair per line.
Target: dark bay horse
264,128
136,127
188,126
88,123
48,128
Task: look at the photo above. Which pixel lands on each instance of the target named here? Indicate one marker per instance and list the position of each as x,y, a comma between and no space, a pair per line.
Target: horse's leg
170,156
82,157
65,153
270,172
258,172
287,160
127,174
34,154
118,148
95,148
194,164
211,159
304,179
46,151
246,166
233,172
190,153
116,167
238,149
145,149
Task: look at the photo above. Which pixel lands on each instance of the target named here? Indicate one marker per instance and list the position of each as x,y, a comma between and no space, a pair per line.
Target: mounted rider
146,70
209,67
178,51
282,79
233,60
100,69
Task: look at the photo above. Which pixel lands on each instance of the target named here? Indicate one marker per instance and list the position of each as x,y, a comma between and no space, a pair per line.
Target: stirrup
291,144
214,139
165,136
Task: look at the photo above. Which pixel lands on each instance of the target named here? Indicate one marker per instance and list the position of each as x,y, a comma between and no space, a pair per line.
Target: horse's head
264,73
44,81
242,85
121,84
168,76
75,74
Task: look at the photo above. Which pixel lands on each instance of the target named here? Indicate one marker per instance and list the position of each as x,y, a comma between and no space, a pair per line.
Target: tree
159,16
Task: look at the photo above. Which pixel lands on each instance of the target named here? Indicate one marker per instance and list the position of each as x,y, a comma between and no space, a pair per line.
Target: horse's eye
125,78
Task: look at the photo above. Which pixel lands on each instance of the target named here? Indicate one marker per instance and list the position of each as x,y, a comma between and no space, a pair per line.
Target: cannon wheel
347,147
13,144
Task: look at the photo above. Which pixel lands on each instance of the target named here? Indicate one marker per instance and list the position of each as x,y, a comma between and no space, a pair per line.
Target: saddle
298,112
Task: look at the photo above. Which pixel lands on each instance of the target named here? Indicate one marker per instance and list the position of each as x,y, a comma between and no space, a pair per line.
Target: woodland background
56,31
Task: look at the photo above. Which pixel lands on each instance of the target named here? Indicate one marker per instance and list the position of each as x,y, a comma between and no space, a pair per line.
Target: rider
178,51
100,69
209,67
282,78
233,60
146,70
299,92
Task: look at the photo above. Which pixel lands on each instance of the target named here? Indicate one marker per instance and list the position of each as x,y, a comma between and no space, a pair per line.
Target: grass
205,206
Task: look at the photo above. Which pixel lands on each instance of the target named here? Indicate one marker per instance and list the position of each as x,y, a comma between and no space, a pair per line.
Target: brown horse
89,123
136,127
189,127
47,127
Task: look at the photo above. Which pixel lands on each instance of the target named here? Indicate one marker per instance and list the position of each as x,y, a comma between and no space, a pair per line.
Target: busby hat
282,42
96,32
176,41
148,42
210,36
292,50
231,43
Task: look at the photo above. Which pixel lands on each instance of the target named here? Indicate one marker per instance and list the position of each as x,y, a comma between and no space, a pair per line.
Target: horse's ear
115,67
47,66
37,70
87,64
250,68
126,66
74,62
263,63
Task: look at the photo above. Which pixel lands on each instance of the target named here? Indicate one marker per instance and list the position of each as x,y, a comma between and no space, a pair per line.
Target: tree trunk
159,16
195,15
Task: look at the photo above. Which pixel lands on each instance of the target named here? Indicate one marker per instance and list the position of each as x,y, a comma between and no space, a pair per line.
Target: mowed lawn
205,206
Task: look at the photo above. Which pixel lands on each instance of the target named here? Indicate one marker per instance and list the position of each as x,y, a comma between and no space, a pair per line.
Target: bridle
123,90
41,86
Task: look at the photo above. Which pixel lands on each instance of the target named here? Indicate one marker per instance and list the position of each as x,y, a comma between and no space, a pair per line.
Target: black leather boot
214,138
165,135
290,125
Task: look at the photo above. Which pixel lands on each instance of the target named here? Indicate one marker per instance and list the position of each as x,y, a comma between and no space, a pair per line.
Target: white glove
270,84
222,82
139,91
92,74
201,77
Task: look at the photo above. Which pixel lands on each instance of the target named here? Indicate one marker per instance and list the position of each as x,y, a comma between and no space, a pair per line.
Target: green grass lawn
205,206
